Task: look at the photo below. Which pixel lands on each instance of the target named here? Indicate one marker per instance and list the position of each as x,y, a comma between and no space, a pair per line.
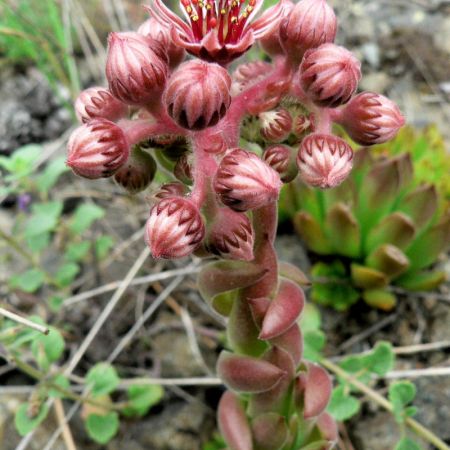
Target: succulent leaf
422,281
368,278
380,298
343,231
420,204
396,229
312,233
388,259
270,431
430,244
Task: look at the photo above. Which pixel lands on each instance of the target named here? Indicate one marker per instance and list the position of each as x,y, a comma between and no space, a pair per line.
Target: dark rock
30,111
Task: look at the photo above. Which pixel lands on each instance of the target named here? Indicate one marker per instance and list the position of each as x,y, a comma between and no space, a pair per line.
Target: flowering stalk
226,204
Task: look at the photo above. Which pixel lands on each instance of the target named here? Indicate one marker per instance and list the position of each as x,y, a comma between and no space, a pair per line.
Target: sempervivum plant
193,118
386,227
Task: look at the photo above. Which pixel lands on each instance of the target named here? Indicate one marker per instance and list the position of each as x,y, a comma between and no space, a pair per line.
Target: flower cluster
162,109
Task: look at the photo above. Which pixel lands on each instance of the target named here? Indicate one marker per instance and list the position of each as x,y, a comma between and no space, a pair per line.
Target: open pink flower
218,30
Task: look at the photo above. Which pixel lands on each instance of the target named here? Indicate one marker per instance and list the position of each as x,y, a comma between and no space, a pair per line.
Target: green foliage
102,428
313,337
103,379
26,420
331,286
378,362
35,31
216,443
142,398
401,394
388,222
342,405
407,444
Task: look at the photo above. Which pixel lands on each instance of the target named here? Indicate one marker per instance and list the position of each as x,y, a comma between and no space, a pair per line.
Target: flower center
227,17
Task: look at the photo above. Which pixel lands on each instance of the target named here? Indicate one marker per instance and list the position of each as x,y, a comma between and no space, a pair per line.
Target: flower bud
282,159
155,30
168,190
136,68
137,173
198,95
97,149
303,124
247,74
275,125
271,42
310,23
243,181
329,75
324,160
371,118
98,102
174,229
231,235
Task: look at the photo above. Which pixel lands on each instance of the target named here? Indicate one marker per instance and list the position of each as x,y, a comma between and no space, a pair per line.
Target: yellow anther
249,9
234,19
188,9
194,18
223,11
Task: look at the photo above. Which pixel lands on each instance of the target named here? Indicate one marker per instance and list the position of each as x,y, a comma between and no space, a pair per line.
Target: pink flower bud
371,118
303,124
231,235
97,149
310,23
136,69
247,374
248,73
137,173
271,42
281,158
98,102
275,125
324,160
329,75
168,190
198,95
155,30
174,229
243,181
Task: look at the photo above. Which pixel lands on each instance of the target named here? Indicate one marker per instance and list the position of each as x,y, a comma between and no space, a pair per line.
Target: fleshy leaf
312,233
388,259
233,423
397,229
343,231
247,374
283,310
380,298
367,278
270,431
222,277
